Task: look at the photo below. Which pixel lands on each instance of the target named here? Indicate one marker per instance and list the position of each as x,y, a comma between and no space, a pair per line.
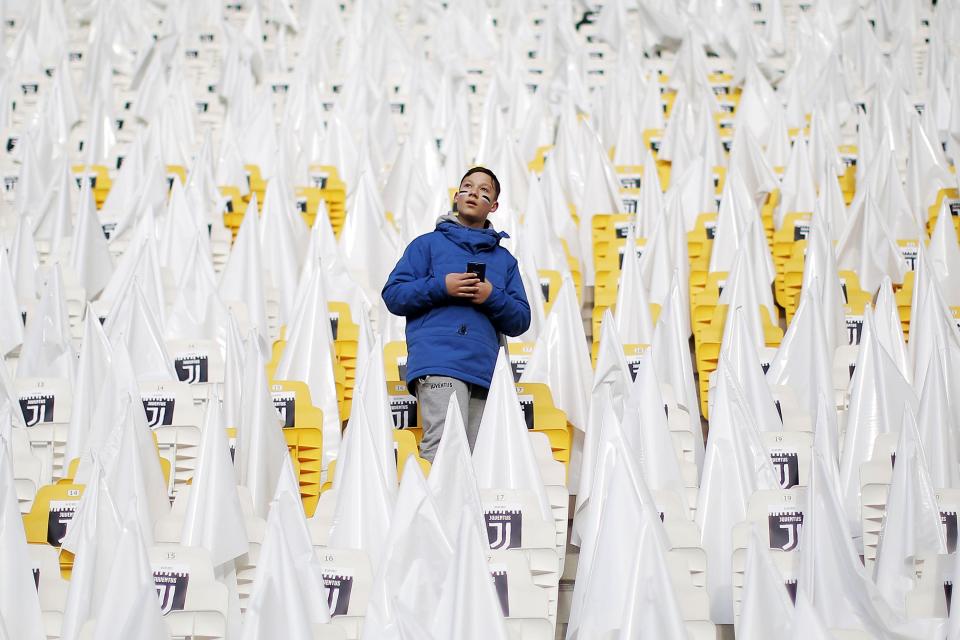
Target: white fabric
766,610
19,601
198,312
804,359
624,531
288,595
92,537
646,429
282,245
452,480
743,361
468,606
242,279
633,308
888,329
831,575
140,262
565,370
47,348
868,248
736,465
878,396
260,443
369,245
309,356
129,607
89,253
671,355
213,518
11,322
503,455
366,490
911,522
944,254
413,565
938,429
92,369
133,324
821,264
611,386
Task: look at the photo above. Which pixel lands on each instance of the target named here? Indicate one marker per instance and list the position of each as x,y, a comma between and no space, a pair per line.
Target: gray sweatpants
433,396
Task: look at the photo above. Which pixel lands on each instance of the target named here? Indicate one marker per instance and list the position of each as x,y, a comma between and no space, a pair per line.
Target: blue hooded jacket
447,336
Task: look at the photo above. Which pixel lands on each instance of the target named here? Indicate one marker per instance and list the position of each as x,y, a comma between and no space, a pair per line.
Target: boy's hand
484,289
463,285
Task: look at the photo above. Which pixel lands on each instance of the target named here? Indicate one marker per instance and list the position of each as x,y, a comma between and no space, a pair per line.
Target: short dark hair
484,170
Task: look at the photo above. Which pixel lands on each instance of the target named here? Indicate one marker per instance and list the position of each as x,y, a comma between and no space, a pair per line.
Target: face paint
485,197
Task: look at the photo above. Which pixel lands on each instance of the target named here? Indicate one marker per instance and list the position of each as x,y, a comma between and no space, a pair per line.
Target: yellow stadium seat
544,417
306,453
333,191
53,508
255,182
707,346
550,282
395,361
539,160
292,400
99,177
176,171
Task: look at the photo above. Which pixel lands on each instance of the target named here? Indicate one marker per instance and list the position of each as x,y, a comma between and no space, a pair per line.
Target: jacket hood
471,239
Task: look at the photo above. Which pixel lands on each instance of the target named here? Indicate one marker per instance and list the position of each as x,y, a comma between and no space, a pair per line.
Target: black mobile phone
478,268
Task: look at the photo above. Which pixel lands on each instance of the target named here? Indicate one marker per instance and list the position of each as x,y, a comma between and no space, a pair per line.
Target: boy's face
476,199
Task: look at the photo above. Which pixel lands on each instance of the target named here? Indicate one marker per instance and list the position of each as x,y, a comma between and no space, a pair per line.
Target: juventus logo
339,588
171,588
404,412
499,534
787,467
37,408
504,528
784,529
166,593
284,403
159,410
192,368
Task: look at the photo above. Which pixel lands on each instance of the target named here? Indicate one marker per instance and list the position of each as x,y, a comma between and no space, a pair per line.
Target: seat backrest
192,600
196,361
44,400
781,513
514,521
291,399
790,454
53,508
395,361
348,579
519,597
520,353
169,404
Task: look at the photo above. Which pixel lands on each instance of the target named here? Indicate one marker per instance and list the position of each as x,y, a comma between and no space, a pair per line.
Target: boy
455,312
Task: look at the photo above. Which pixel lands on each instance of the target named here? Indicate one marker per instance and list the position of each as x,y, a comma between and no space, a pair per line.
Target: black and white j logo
191,369
787,466
171,589
284,403
159,410
503,528
784,529
338,588
37,408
